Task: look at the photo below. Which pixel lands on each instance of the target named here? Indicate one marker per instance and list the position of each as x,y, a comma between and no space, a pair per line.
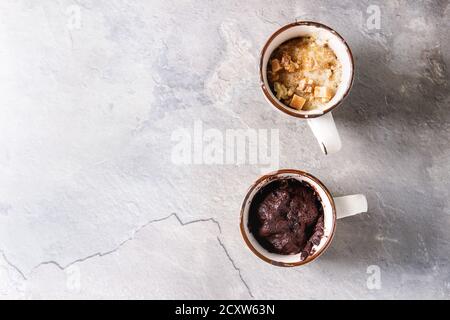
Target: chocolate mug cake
286,217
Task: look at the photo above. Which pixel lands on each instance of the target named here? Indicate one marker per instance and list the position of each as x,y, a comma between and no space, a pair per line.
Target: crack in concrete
12,265
235,267
133,235
130,238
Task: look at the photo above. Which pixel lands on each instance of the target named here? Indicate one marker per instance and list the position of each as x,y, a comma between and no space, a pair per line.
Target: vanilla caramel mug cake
306,71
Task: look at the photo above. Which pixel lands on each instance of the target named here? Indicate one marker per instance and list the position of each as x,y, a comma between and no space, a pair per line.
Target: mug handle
326,133
350,205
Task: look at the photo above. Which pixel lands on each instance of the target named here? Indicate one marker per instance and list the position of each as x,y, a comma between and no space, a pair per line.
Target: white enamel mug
320,120
333,208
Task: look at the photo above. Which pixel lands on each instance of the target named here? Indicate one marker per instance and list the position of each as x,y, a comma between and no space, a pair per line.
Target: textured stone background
91,205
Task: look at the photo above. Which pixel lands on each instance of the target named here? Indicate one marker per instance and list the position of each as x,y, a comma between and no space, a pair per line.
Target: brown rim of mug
273,176
282,107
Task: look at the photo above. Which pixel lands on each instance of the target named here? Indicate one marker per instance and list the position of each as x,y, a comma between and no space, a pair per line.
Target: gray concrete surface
94,202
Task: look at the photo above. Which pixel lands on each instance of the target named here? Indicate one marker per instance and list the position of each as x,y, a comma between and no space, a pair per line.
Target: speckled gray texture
92,205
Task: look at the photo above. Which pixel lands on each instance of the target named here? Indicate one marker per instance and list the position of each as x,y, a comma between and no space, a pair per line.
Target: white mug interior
323,34
329,219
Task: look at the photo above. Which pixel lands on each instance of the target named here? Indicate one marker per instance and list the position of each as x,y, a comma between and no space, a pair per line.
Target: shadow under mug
320,120
333,208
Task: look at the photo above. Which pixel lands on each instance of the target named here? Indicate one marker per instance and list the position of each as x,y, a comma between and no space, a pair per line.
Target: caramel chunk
301,85
276,66
287,63
297,102
323,92
308,63
305,85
